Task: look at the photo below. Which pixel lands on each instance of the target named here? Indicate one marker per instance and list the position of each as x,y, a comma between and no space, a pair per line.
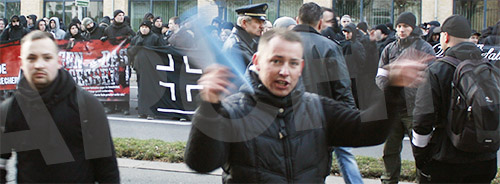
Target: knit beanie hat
146,23
76,20
383,28
363,26
86,21
407,18
116,12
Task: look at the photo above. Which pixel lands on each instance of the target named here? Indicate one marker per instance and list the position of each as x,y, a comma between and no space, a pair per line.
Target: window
289,8
66,10
474,11
9,8
163,8
413,6
375,12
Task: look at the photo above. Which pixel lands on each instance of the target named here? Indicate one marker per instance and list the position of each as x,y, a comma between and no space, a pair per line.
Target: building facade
481,13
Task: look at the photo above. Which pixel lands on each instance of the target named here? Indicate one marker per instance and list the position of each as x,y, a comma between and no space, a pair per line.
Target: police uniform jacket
241,44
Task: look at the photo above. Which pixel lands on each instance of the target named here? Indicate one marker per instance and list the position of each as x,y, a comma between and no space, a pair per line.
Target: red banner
10,65
101,68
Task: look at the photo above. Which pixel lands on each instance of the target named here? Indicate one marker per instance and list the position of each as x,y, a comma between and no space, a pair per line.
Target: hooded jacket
77,37
95,32
60,100
494,37
257,137
325,71
431,110
34,26
38,27
12,33
57,31
354,52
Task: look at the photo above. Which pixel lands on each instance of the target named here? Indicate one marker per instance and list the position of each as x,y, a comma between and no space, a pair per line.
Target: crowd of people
317,87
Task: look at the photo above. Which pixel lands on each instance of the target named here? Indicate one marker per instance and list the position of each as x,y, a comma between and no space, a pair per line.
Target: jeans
348,166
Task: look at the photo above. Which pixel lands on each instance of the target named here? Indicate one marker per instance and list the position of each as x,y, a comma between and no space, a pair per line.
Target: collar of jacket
61,87
406,42
118,25
305,28
244,35
259,92
463,51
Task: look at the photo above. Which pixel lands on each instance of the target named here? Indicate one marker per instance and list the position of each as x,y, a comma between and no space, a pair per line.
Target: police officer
244,38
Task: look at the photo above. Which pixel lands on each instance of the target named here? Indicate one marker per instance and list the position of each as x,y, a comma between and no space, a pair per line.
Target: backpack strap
451,61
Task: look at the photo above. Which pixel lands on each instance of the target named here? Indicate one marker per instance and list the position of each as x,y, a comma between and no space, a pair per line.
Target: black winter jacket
95,32
139,42
88,141
118,30
325,71
257,137
241,45
12,33
355,55
431,110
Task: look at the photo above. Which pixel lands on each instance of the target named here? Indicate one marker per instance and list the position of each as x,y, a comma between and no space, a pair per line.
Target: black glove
422,157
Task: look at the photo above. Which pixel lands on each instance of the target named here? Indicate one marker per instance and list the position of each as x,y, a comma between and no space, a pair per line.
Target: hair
310,13
176,20
346,16
38,35
282,33
239,22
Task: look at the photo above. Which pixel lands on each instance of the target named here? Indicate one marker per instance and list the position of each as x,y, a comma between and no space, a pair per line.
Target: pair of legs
393,146
348,166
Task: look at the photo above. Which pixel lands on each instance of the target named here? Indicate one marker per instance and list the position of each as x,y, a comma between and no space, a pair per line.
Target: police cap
254,10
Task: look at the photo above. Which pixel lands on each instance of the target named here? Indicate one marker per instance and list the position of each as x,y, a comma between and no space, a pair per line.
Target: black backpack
473,117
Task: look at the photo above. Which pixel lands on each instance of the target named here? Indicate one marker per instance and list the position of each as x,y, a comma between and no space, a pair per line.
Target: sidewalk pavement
182,168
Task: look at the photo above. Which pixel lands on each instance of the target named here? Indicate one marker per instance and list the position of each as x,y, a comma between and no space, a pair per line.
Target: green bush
157,150
152,149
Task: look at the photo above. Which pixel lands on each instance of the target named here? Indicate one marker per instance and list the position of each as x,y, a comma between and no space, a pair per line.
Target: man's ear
255,61
297,20
320,23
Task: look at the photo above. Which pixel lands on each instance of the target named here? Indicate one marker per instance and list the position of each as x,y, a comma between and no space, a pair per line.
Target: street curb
182,168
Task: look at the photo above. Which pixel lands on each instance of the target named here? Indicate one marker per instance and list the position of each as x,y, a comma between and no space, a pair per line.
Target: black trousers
440,172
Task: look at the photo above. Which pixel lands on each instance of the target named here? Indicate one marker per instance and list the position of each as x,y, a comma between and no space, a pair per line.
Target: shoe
141,116
107,110
150,117
126,112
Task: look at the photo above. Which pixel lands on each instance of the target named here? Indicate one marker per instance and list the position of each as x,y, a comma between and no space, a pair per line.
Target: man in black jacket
272,131
325,73
438,159
409,45
145,38
15,31
242,43
91,30
118,29
59,131
355,57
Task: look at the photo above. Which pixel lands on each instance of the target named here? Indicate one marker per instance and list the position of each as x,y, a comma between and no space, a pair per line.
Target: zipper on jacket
286,147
